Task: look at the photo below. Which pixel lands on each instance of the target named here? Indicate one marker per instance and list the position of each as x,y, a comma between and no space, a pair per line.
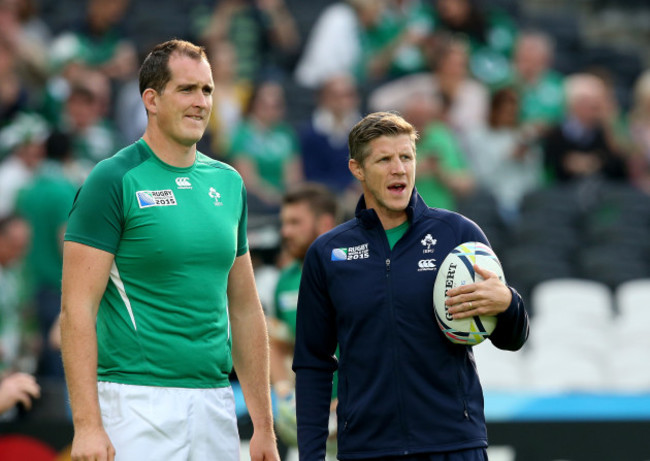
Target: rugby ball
458,269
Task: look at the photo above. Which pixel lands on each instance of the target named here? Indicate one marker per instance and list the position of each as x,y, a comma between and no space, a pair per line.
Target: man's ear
356,169
149,99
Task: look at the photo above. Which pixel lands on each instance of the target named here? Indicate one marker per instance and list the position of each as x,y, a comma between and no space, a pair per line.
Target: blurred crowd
494,115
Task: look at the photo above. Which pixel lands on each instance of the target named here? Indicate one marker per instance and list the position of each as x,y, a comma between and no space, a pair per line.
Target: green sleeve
238,143
438,141
97,218
62,202
242,236
291,135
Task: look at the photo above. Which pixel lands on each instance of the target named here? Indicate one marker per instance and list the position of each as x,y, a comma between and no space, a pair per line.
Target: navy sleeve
512,327
314,358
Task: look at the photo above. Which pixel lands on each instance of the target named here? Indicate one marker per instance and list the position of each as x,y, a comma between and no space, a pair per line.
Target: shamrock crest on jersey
216,196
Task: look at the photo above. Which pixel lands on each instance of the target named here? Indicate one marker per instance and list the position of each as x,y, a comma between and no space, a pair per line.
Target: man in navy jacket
405,391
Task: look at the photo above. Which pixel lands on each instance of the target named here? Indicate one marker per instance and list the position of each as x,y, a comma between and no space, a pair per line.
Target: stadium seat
562,25
481,207
567,300
627,64
620,213
537,229
613,263
559,204
303,102
592,337
555,369
627,367
571,335
525,266
631,299
511,7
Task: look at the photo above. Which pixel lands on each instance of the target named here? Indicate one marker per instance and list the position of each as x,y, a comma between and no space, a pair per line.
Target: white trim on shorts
171,424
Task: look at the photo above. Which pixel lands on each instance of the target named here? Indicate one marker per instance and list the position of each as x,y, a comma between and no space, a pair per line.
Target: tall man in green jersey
308,210
158,295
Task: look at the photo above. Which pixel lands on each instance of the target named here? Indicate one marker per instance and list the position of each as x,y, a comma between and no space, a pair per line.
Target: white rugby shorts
172,424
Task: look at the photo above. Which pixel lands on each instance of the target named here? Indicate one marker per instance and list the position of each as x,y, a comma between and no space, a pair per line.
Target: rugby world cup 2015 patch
149,198
351,253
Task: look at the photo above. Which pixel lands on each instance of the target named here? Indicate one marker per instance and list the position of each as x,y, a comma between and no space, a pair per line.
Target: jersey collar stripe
117,281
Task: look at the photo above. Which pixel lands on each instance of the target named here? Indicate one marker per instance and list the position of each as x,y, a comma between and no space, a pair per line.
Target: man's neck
170,152
391,220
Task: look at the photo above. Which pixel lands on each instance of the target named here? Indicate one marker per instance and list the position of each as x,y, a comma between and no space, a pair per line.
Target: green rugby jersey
286,295
175,233
286,304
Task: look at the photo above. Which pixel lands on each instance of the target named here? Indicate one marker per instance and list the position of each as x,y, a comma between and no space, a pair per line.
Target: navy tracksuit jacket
403,387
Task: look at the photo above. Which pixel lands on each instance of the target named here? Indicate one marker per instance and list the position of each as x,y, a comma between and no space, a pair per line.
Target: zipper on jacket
400,402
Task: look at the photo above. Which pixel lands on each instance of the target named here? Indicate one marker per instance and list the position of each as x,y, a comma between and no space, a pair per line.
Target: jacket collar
368,217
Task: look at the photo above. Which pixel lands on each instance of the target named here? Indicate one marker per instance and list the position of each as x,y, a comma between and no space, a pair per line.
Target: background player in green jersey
158,295
308,211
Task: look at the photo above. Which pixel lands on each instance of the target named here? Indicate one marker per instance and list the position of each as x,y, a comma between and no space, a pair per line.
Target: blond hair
373,126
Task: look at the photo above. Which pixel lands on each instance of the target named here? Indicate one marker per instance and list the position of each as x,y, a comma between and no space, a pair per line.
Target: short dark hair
373,126
82,92
155,73
58,146
500,97
318,197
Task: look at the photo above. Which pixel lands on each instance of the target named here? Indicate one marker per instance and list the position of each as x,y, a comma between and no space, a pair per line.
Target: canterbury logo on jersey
426,265
149,198
183,183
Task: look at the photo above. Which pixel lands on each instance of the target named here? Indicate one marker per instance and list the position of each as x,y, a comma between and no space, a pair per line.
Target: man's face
84,110
340,96
14,242
269,104
589,108
455,12
183,108
299,228
531,58
387,175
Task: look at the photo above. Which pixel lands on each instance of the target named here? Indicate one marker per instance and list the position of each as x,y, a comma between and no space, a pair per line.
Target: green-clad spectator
540,88
373,40
15,236
265,149
46,203
22,143
443,174
308,211
393,45
264,35
94,136
15,387
97,42
83,116
490,32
